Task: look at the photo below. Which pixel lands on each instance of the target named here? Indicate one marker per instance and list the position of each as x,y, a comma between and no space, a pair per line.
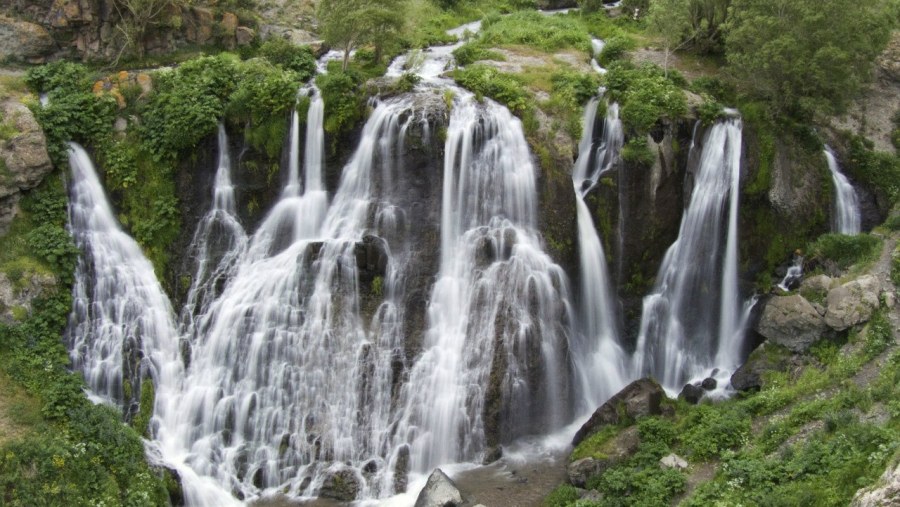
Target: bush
343,102
529,28
562,496
284,53
645,95
487,81
472,52
186,105
637,151
844,250
875,169
262,100
58,76
615,48
707,431
74,116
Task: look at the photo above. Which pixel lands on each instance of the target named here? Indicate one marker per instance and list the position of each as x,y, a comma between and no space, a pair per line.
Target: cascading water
285,384
600,359
121,329
847,216
499,307
692,321
218,242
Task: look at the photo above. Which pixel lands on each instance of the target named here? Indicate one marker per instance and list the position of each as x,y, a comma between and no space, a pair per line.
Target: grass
20,412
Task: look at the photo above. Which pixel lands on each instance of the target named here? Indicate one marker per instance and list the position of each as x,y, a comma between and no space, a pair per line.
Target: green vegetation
876,169
76,453
532,29
797,58
283,53
486,81
344,106
346,24
645,94
844,250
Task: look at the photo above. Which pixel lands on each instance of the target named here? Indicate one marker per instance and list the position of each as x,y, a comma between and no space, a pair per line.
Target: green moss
596,445
377,286
141,421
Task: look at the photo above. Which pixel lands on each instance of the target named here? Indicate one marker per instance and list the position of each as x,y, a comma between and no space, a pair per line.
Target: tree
806,56
671,21
347,24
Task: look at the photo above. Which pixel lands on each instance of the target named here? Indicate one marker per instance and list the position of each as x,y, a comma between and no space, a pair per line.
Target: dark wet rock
691,394
342,485
401,470
440,491
641,398
493,454
709,383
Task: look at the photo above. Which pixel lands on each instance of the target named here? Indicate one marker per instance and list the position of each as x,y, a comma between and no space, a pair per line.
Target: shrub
845,250
876,169
707,432
563,496
343,102
489,82
284,53
186,105
637,151
58,76
472,52
615,48
645,95
262,100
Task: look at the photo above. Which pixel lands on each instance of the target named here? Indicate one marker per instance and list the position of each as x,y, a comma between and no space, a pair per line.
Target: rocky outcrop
885,494
440,491
610,454
22,40
852,303
24,161
640,398
16,294
768,357
792,322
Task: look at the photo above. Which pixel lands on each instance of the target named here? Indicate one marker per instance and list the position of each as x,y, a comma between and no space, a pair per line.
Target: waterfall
692,321
793,275
847,216
495,348
285,383
121,329
600,359
218,242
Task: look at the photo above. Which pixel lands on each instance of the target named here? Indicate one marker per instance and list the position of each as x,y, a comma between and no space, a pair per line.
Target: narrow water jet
847,217
599,358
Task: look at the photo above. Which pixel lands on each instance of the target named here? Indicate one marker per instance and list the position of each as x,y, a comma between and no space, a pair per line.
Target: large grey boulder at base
852,303
440,491
24,161
884,494
640,398
792,322
21,40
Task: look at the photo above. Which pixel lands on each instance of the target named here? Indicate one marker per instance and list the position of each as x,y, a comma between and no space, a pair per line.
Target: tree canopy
806,55
348,24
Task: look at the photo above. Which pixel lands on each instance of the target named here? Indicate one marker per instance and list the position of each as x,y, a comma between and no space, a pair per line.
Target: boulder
440,491
819,284
768,357
691,394
792,322
673,461
244,35
342,485
642,397
709,383
21,40
16,295
884,494
24,161
200,28
610,454
852,303
229,24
